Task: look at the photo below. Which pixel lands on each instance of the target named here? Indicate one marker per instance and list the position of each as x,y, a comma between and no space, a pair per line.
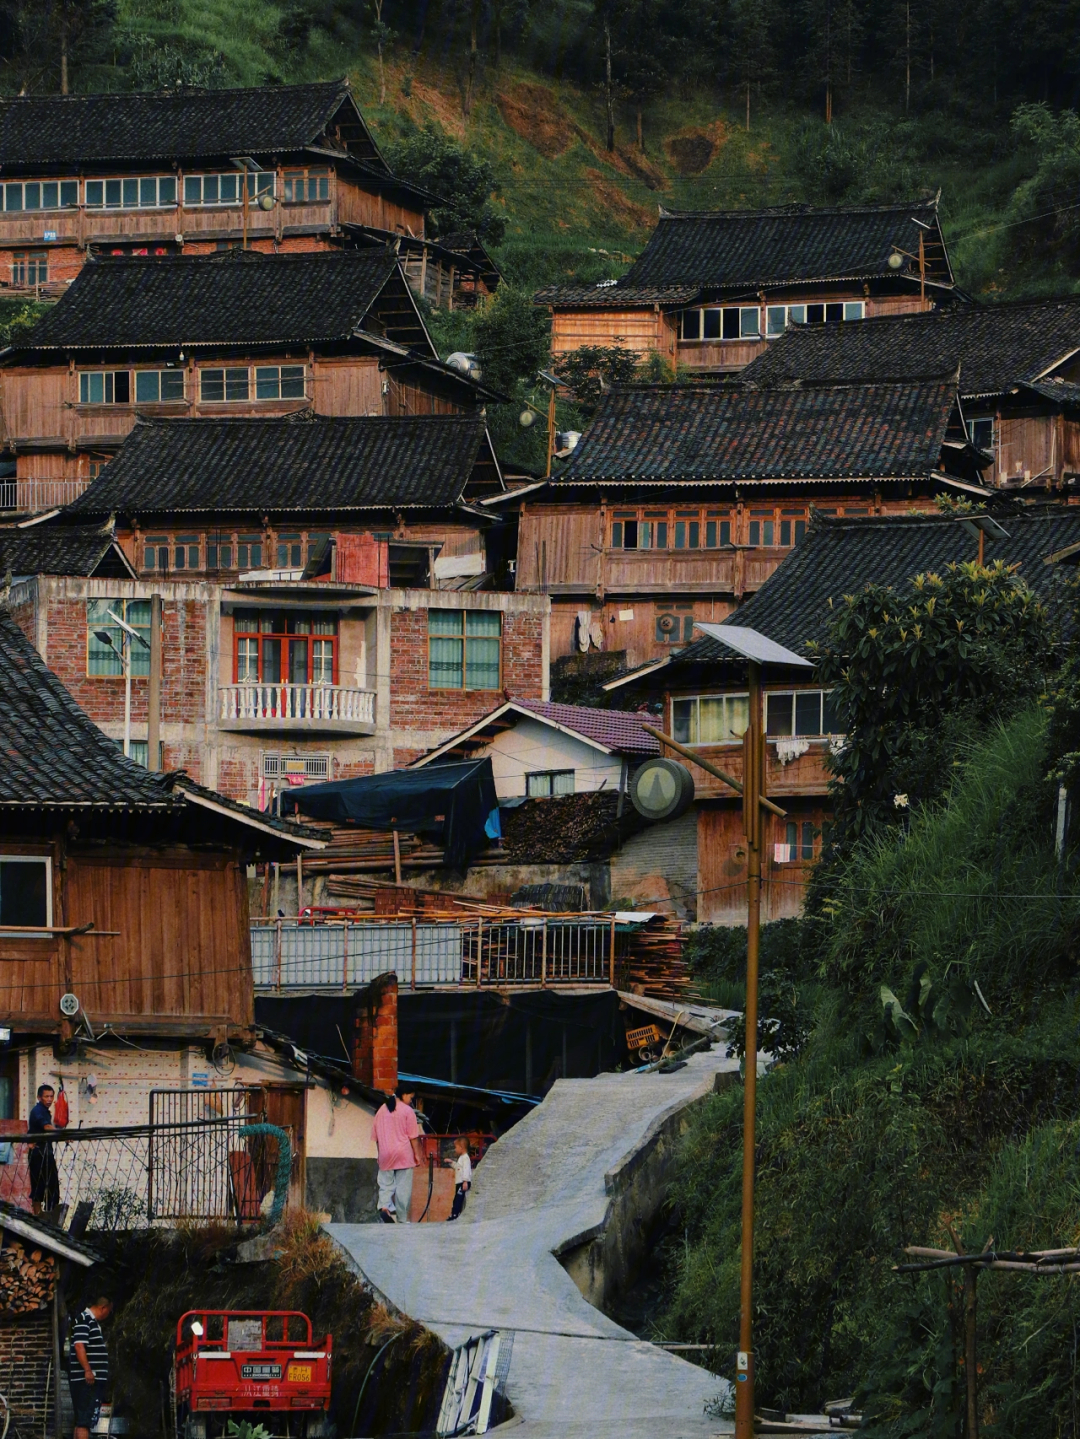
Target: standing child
462,1175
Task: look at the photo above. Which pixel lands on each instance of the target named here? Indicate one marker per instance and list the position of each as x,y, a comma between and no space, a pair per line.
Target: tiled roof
617,730
51,753
52,549
783,245
81,130
238,298
311,463
840,556
996,346
606,296
702,433
50,1236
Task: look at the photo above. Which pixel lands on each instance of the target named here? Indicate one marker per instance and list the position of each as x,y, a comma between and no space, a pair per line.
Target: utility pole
153,699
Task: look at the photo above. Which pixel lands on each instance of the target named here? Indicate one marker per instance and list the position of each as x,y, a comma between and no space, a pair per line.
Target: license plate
260,1371
299,1374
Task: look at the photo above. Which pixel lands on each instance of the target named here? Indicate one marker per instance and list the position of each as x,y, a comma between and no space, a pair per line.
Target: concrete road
575,1374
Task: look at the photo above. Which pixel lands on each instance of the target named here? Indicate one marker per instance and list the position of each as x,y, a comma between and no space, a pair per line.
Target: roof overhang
955,484
637,674
522,712
252,820
43,1235
752,645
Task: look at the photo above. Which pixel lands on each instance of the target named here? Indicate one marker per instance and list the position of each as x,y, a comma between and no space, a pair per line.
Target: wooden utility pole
753,793
550,433
153,698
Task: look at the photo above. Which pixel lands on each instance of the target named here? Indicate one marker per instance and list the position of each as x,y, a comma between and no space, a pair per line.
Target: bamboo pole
397,858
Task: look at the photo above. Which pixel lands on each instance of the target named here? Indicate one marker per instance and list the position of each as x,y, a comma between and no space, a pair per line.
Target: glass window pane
212,384
228,190
785,532
807,840
445,622
796,314
483,622
833,313
236,384
800,530
32,197
121,386
808,712
713,322
562,782
292,382
13,197
694,534
482,664
755,532
681,713
69,192
661,535
738,715
778,714
731,324
172,384
680,534
95,194
711,728
324,187
131,194
775,319
209,189
691,324
192,189
710,534
322,662
766,532
147,386
538,786
853,309
750,322
815,314
167,190
445,662
830,720
617,535
113,194
644,535
147,191
50,195
267,383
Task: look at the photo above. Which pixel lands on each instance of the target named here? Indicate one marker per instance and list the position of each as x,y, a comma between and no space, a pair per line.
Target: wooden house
1019,367
274,168
336,598
680,500
702,690
712,289
237,334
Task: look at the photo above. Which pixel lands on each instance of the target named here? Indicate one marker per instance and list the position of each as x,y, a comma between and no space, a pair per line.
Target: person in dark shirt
44,1179
88,1365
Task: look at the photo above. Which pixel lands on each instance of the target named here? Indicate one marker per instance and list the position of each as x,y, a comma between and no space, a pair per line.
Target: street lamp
123,654
528,416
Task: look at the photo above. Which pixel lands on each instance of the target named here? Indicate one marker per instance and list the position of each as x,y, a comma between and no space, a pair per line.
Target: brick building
332,593
235,334
276,169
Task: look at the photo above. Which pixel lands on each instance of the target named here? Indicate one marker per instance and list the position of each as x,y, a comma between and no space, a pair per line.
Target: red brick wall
24,616
375,1052
183,665
25,1356
414,706
288,244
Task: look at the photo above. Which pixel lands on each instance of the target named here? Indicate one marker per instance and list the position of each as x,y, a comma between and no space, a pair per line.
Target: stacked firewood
350,850
27,1277
653,963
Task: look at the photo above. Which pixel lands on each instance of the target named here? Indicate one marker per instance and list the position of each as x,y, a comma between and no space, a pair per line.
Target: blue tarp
452,803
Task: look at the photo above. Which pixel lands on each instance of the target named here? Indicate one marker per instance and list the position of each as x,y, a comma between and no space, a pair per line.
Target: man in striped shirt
88,1365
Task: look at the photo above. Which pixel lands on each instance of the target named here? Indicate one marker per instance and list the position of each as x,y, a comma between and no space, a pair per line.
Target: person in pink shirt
397,1139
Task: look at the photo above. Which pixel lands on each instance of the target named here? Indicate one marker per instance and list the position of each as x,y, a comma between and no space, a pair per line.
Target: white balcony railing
327,704
30,497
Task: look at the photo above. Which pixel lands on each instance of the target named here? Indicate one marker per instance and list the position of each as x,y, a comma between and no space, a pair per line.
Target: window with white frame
800,713
39,195
158,386
25,890
779,317
981,432
549,783
227,188
132,192
710,719
721,322
104,387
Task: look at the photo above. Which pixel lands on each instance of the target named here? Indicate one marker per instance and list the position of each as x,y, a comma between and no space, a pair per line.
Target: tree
914,672
463,182
589,371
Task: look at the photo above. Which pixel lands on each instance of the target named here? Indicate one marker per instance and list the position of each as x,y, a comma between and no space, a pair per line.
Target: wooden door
285,1107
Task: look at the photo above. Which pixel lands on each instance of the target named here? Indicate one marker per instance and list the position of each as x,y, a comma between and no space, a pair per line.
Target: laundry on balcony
446,805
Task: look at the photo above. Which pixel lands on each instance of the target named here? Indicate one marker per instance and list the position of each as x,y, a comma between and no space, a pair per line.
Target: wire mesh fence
227,1169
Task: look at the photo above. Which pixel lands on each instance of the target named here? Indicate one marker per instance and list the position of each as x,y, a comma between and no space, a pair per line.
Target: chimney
375,1037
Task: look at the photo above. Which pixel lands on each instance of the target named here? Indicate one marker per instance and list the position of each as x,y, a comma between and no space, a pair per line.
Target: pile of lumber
353,851
27,1277
653,963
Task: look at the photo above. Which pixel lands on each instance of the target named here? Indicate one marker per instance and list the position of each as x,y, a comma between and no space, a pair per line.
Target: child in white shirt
462,1175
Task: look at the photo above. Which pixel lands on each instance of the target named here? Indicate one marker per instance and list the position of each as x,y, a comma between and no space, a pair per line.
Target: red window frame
282,635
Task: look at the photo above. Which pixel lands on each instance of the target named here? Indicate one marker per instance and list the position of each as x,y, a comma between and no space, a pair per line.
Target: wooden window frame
464,687
160,373
305,174
41,208
261,637
259,182
25,261
693,726
773,696
107,375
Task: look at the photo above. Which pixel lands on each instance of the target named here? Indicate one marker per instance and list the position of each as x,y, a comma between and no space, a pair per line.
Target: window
293,767
802,712
778,317
104,387
710,719
139,751
290,552
219,552
249,552
140,192
464,649
982,432
673,622
103,655
186,552
216,386
25,891
279,382
40,195
729,322
274,647
156,552
762,531
227,188
656,529
97,465
152,386
687,530
30,267
306,185
543,784
799,842
717,530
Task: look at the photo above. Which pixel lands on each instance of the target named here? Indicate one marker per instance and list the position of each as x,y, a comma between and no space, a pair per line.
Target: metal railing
30,496
207,1169
327,703
537,951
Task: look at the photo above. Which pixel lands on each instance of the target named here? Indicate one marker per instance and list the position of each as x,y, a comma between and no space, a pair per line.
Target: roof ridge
798,209
182,92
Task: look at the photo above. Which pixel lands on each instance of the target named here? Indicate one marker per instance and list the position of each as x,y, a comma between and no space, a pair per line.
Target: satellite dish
895,261
662,789
266,201
69,1005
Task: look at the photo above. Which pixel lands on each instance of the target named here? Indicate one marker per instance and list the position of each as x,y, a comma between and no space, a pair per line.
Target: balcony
319,709
32,496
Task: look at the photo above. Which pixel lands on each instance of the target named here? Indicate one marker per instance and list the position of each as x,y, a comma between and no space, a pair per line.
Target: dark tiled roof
618,730
615,297
52,549
51,753
81,130
232,299
996,346
840,556
699,432
47,1234
304,463
783,245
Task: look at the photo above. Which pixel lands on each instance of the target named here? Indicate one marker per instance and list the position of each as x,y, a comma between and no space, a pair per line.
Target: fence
29,496
533,951
207,1169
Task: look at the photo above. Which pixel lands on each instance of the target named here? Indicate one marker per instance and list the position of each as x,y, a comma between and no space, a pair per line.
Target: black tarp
449,802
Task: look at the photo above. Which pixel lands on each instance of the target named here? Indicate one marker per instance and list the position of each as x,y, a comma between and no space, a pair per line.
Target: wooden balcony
33,496
321,709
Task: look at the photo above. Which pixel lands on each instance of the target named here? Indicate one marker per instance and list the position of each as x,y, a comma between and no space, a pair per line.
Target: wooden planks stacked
653,964
27,1277
354,851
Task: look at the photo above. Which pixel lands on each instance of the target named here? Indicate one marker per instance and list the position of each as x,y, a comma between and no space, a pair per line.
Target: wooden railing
326,703
31,496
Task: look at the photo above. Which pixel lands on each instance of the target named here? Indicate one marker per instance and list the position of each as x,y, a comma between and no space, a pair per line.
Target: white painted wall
531,745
